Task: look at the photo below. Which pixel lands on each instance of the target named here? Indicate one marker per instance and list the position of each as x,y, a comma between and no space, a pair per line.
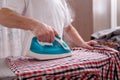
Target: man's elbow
68,28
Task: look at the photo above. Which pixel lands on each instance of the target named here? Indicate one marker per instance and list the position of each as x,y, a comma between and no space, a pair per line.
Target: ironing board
5,72
86,64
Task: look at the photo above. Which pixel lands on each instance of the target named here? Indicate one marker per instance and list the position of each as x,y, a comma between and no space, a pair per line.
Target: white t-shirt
51,12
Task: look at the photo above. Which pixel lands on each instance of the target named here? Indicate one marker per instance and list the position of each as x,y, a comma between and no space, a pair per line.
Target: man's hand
44,32
89,44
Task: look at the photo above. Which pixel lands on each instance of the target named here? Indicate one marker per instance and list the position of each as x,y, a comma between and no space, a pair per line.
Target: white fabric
52,12
1,3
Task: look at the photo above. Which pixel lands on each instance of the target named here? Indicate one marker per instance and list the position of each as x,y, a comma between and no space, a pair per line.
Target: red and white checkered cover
97,64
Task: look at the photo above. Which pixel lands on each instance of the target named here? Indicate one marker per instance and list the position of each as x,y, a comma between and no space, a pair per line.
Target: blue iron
46,51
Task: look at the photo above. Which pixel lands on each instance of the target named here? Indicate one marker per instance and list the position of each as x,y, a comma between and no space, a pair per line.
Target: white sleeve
15,5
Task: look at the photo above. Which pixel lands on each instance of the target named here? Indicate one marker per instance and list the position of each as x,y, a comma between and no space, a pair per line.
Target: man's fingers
92,42
89,47
55,32
52,37
45,34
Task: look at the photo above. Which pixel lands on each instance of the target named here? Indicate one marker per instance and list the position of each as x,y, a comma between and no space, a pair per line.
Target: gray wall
101,14
83,21
91,16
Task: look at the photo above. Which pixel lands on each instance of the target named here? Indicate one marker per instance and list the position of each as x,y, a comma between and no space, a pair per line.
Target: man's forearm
74,35
12,19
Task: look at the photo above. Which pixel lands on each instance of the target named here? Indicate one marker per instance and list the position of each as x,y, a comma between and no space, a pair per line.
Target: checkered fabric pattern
97,64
